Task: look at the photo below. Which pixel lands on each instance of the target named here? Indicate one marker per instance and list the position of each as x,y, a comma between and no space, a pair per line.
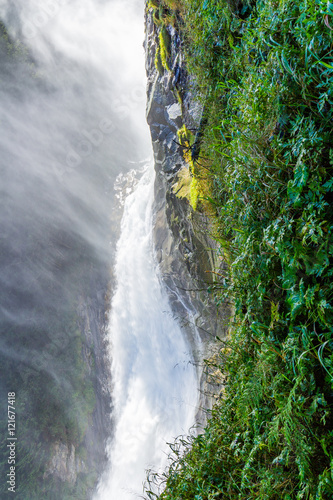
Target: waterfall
72,118
154,381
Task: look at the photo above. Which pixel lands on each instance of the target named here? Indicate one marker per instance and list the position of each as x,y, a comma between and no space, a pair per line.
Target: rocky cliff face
186,253
68,466
64,464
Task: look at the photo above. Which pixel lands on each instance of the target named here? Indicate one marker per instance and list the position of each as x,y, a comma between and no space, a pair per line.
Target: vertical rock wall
186,253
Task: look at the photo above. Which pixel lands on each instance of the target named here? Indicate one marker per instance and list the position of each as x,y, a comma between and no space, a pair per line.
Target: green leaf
325,64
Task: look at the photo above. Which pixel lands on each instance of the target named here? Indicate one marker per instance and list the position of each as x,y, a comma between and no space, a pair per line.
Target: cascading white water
154,382
72,118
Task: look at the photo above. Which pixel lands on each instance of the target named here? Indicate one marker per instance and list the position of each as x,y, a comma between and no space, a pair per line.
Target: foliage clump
266,74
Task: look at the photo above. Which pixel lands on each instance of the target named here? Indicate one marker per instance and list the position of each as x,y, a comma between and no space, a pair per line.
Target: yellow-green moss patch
182,186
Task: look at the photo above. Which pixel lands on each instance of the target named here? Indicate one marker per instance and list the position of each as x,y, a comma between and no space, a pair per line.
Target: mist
73,131
72,118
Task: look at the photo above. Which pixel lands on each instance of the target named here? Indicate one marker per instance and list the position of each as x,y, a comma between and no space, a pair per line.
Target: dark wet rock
187,255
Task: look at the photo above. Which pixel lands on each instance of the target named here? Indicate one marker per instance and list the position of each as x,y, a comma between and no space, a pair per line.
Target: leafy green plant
264,70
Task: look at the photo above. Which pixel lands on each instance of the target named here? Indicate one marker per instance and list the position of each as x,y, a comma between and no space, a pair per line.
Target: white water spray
84,68
154,382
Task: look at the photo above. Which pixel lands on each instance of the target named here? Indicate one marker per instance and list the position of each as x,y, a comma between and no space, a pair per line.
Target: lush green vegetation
265,71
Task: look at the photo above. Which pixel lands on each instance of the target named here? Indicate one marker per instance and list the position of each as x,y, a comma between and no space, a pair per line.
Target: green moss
165,47
194,193
182,186
158,61
179,97
188,185
153,4
156,17
185,136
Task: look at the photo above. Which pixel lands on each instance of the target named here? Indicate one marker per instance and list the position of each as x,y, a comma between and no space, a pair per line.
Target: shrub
265,74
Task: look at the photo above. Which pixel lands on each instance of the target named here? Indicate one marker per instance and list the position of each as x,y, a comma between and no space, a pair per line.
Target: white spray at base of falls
155,388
